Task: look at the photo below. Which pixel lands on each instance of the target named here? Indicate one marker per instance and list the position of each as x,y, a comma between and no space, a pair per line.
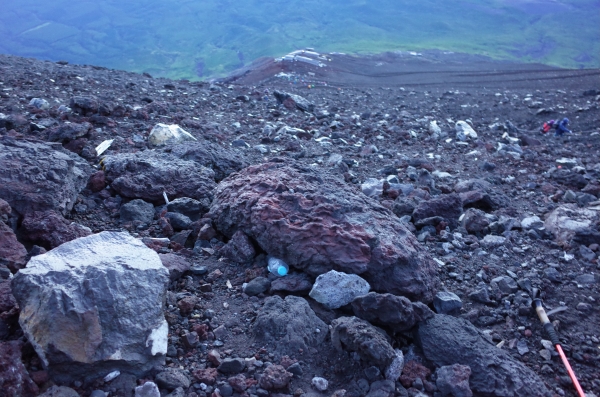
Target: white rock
372,187
565,221
148,389
319,383
394,370
335,289
491,241
532,222
163,134
434,129
464,131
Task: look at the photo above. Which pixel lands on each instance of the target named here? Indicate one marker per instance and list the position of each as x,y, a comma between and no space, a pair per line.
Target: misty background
194,39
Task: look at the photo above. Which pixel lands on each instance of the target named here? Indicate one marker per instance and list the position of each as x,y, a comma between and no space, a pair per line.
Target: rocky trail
412,197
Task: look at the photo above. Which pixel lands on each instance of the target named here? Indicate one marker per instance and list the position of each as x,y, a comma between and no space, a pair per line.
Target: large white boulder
163,134
464,131
94,305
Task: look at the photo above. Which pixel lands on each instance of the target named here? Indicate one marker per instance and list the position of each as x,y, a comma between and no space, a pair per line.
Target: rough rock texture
137,211
176,265
163,134
59,391
288,324
13,254
191,208
49,229
239,249
568,221
316,223
94,304
356,335
396,312
148,174
223,160
447,340
14,379
336,289
35,176
447,206
275,377
453,380
292,101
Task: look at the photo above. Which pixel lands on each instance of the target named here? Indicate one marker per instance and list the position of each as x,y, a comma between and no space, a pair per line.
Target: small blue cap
282,271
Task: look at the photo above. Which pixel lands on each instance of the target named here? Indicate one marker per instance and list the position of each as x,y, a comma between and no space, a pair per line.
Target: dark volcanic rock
239,249
148,174
35,176
289,325
222,160
191,208
396,312
14,379
49,229
176,265
292,101
69,132
294,283
137,211
447,340
356,335
448,206
316,223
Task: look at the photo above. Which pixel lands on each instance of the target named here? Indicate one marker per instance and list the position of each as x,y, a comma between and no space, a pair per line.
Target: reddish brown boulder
208,375
316,223
12,253
176,264
275,377
97,181
14,379
49,229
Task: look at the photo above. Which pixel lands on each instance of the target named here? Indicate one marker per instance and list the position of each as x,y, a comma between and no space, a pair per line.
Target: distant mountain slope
192,39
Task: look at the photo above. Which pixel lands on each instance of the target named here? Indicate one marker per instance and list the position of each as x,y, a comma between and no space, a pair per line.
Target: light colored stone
335,289
446,302
565,221
319,383
491,241
532,222
464,131
163,134
94,300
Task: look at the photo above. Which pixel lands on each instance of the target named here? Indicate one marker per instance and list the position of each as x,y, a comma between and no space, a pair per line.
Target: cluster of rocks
136,221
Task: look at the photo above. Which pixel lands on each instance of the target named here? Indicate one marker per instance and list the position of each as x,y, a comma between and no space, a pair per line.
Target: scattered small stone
321,384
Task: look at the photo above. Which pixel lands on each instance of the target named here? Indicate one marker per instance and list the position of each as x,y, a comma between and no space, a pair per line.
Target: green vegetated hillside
197,39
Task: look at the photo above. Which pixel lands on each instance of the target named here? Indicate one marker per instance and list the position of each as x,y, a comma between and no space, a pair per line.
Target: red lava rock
214,275
49,229
187,304
176,264
208,375
321,225
275,377
238,383
40,377
413,370
202,331
527,333
12,253
97,181
14,379
286,361
165,226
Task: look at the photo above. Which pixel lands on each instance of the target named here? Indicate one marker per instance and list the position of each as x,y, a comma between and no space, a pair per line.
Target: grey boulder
288,325
447,340
396,312
137,211
355,335
146,175
35,176
95,305
336,289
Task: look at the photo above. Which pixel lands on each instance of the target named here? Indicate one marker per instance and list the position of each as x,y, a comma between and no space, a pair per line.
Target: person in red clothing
548,125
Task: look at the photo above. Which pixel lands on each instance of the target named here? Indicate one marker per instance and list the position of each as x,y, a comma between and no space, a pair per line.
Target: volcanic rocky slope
450,233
